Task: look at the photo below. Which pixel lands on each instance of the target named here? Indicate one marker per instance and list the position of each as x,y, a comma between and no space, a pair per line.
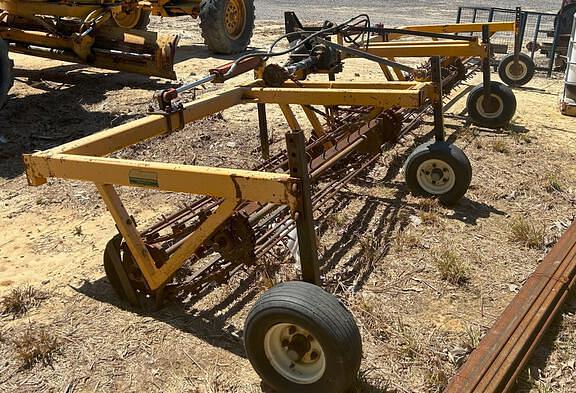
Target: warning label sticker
143,178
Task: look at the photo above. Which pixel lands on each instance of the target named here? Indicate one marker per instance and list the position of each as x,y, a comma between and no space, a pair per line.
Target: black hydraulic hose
269,53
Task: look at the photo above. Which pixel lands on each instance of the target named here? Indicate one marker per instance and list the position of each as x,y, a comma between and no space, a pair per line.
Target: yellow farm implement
298,337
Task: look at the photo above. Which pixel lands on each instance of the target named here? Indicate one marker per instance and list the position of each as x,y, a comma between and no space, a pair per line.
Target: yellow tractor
112,34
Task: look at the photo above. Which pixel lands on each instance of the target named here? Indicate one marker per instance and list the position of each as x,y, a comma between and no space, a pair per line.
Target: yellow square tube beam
427,49
236,184
381,98
493,27
117,138
393,85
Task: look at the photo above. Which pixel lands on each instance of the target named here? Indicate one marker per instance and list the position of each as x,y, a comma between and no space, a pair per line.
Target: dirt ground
382,252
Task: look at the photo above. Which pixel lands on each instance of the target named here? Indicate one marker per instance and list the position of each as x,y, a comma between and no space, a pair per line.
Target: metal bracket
168,116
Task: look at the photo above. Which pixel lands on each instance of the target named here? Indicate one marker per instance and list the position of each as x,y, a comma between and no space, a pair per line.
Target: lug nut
292,330
285,342
314,355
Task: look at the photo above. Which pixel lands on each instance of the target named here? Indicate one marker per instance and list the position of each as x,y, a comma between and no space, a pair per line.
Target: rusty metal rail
497,362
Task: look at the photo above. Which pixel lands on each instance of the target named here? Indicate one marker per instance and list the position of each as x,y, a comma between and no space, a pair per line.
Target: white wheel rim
294,353
436,177
516,76
490,115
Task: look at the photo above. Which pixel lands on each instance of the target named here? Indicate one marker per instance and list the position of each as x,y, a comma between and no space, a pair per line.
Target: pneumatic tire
301,339
6,78
227,25
498,113
438,169
516,74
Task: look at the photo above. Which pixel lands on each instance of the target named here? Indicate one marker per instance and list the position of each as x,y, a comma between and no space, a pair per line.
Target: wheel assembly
6,78
135,283
227,25
131,17
438,169
497,112
516,73
299,338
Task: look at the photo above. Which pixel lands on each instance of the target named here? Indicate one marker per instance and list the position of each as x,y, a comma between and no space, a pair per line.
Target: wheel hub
128,17
516,70
294,353
436,177
490,109
235,18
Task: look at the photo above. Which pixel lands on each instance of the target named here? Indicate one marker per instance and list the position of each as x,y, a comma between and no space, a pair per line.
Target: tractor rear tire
516,75
6,78
227,25
300,338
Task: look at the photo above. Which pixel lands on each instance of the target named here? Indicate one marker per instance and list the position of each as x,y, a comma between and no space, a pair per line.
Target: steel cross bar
427,49
455,28
407,31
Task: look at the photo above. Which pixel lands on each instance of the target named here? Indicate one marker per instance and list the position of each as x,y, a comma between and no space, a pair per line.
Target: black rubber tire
110,270
6,78
507,62
113,278
447,153
212,24
323,316
505,99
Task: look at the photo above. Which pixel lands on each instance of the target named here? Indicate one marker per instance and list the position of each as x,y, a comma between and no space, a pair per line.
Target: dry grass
527,233
35,345
452,268
20,300
371,247
553,184
406,240
436,377
336,220
429,211
500,145
473,336
521,137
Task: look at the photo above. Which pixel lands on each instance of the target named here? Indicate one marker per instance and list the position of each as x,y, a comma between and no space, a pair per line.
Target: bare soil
381,251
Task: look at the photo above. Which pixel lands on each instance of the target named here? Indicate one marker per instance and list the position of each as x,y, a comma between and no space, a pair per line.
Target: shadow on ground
70,104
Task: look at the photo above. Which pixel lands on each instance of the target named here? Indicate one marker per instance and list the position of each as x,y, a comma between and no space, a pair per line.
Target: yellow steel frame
394,48
494,27
86,159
